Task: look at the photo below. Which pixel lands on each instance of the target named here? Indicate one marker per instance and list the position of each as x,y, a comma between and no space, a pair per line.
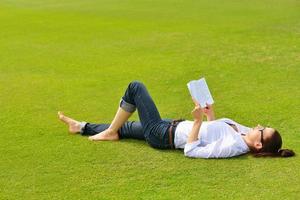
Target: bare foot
74,126
105,135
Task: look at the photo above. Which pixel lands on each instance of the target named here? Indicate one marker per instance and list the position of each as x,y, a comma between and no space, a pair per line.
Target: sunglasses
261,130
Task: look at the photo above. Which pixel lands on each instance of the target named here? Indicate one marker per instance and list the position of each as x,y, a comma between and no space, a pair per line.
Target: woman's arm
193,135
198,115
221,148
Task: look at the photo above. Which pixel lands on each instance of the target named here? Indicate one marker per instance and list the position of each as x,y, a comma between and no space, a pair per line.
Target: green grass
78,56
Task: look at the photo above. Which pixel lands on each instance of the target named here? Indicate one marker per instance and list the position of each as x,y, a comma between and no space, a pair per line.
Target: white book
200,92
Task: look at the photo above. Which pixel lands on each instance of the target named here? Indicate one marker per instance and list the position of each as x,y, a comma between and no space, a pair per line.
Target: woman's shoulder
227,120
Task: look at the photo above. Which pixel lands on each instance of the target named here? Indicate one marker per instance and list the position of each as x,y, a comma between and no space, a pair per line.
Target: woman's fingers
208,105
195,102
197,112
197,109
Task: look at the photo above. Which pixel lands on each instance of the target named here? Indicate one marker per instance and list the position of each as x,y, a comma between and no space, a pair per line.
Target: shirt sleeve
222,148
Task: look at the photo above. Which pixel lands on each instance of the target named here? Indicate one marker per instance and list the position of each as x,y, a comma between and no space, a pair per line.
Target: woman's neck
247,141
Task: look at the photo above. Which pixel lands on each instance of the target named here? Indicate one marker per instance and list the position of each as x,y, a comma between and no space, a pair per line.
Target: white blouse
216,139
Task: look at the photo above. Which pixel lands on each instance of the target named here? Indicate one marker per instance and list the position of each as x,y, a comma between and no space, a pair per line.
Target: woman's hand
197,112
209,112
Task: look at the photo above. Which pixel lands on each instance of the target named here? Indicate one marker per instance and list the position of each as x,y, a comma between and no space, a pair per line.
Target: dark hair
272,148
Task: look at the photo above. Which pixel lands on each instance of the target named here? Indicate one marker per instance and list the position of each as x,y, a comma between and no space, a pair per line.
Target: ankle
112,130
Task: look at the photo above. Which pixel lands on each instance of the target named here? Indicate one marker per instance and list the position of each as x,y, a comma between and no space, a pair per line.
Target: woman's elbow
188,154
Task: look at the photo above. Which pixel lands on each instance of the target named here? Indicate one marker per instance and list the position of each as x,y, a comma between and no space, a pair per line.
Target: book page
200,92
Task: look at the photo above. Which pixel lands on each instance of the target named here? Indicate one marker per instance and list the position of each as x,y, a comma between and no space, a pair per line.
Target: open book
200,92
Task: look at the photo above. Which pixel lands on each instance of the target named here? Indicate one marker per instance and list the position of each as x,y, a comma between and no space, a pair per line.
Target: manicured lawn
78,56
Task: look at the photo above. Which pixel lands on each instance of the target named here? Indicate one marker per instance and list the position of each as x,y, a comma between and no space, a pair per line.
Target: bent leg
154,128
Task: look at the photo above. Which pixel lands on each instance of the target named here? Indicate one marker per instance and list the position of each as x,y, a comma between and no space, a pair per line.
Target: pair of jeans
151,127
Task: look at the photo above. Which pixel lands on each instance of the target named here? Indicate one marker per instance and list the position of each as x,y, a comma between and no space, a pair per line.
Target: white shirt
216,139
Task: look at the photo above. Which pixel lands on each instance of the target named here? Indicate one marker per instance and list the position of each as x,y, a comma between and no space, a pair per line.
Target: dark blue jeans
151,127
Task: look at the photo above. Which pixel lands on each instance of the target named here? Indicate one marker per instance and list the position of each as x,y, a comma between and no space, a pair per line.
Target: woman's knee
135,84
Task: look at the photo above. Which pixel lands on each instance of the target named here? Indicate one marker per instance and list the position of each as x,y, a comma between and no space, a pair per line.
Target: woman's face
259,134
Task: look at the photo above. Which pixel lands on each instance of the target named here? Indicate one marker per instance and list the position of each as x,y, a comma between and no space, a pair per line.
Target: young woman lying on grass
220,138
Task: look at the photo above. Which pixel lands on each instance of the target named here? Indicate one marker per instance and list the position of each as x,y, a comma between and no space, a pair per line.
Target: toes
91,138
60,114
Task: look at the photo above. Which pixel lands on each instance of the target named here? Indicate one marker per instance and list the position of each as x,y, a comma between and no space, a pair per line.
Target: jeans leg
137,96
130,129
93,129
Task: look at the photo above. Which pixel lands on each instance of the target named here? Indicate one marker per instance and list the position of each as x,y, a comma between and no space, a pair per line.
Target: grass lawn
78,56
